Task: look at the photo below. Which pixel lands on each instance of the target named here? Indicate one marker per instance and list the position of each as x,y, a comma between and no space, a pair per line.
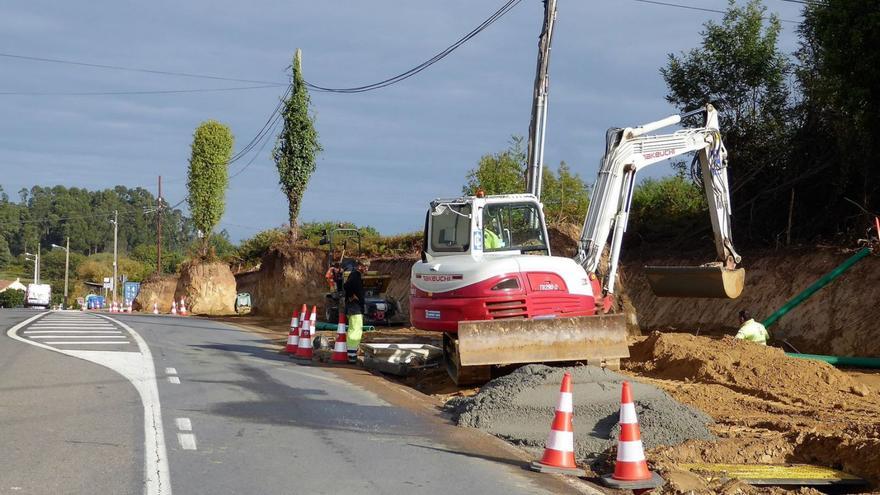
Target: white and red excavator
488,280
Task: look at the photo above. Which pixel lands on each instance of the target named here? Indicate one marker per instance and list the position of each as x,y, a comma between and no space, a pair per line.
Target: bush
12,298
665,208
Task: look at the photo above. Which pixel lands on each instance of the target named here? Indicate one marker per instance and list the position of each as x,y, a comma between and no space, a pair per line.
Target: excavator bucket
696,281
581,338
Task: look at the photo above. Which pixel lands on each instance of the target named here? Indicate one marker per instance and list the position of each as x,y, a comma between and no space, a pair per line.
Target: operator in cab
751,330
491,231
355,307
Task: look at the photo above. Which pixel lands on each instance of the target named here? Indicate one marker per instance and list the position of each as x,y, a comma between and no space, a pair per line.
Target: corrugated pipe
855,362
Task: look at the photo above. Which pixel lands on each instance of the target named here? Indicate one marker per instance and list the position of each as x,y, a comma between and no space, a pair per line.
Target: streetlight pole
115,223
35,259
66,269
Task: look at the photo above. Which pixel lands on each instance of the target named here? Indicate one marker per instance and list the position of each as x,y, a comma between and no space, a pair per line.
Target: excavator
487,278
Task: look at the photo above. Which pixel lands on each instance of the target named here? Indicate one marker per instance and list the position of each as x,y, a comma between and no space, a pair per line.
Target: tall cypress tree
297,145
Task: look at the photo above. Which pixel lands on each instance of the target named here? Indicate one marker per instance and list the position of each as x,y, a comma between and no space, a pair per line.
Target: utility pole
37,276
66,268
538,124
115,223
159,230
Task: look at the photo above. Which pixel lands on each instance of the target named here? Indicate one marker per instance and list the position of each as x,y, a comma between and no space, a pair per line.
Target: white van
38,295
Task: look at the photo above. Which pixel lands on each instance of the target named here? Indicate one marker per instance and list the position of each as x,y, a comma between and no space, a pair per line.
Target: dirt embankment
158,290
287,279
840,319
768,408
208,288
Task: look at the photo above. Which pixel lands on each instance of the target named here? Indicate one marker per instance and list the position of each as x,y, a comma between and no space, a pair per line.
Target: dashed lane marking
187,441
173,379
184,424
170,371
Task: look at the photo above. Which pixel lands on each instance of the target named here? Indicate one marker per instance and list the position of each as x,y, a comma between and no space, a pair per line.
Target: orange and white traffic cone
155,308
340,348
173,307
631,469
304,351
293,335
182,307
559,449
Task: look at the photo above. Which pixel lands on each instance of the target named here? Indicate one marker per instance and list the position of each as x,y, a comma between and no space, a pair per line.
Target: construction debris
513,407
400,359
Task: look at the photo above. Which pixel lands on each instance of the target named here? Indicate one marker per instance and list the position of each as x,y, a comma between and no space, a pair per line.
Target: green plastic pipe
856,362
323,325
822,282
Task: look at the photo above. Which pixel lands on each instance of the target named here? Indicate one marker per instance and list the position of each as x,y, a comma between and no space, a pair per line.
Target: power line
259,151
691,7
136,92
507,7
135,69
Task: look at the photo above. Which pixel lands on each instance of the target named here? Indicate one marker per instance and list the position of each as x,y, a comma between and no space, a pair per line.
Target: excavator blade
696,281
499,342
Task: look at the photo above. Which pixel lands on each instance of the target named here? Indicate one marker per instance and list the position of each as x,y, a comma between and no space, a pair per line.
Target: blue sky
387,152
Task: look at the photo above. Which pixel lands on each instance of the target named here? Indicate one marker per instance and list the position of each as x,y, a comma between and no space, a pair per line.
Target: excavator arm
627,152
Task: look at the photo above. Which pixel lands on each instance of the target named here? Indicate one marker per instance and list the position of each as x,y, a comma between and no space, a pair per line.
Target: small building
12,284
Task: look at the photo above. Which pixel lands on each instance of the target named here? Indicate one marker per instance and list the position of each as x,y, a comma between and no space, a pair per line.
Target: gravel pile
519,408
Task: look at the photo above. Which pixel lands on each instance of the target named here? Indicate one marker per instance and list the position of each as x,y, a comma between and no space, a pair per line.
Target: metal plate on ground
777,474
696,281
514,341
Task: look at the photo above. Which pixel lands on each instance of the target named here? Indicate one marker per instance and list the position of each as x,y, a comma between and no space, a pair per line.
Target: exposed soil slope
208,288
768,408
840,319
159,290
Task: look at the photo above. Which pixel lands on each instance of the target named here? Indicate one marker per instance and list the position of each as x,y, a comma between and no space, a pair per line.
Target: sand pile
519,408
768,408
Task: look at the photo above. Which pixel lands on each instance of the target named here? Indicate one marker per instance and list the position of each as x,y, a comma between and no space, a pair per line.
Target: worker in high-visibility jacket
751,330
355,307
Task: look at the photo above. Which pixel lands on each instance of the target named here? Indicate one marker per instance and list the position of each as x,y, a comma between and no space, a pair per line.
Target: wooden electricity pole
159,230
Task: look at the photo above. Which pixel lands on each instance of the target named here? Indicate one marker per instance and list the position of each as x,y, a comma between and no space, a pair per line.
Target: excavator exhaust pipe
713,281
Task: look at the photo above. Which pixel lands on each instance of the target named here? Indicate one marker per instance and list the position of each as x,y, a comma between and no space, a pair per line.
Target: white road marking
88,342
187,441
173,379
139,369
170,371
184,424
79,337
27,332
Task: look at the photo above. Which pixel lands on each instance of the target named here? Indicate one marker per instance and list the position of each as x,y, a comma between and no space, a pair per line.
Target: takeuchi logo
440,277
657,154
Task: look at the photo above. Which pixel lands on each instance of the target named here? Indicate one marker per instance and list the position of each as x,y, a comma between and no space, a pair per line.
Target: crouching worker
751,330
355,306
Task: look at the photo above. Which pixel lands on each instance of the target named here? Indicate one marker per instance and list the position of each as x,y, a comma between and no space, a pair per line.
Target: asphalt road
229,415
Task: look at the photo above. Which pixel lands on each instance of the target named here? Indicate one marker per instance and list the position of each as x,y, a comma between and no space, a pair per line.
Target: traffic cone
182,307
155,308
304,349
559,448
340,349
293,336
173,307
631,469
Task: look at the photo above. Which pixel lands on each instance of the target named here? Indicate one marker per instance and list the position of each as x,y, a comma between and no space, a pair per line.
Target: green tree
297,145
499,173
208,177
740,70
11,298
836,145
664,208
564,194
